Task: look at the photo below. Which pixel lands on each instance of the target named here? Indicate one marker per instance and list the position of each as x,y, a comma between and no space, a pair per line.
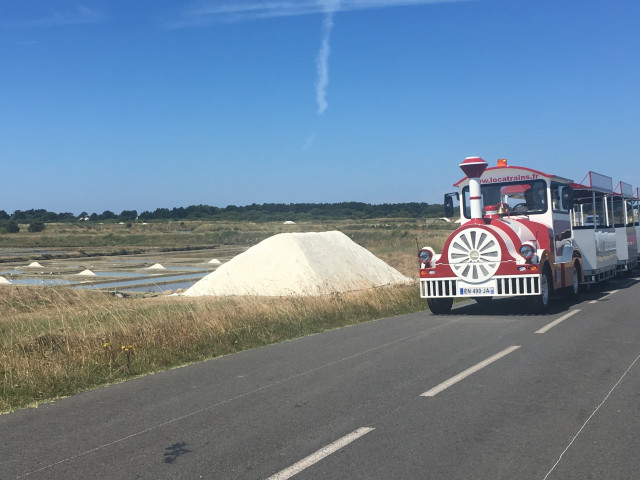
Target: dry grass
55,342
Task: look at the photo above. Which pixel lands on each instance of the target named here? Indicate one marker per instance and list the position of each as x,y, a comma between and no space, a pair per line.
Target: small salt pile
86,273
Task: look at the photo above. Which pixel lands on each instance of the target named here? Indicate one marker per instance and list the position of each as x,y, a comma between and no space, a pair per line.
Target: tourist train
528,233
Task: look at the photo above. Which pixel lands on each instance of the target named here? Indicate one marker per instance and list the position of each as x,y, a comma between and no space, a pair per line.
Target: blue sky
114,105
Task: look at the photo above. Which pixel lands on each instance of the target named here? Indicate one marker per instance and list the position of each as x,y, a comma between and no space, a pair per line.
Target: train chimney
473,167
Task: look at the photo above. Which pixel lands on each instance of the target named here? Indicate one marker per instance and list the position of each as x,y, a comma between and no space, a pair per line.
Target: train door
561,205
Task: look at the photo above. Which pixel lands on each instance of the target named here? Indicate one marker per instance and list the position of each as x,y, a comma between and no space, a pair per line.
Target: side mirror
567,198
448,205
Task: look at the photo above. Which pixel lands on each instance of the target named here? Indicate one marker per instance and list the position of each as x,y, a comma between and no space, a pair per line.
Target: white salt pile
215,261
156,266
299,264
289,222
86,273
34,265
4,281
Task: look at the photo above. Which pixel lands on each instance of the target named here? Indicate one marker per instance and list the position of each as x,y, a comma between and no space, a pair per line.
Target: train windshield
521,198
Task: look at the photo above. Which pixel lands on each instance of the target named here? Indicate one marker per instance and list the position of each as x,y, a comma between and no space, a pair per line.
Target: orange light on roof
502,162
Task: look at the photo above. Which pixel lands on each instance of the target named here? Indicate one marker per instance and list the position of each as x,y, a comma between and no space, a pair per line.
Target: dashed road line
453,380
549,326
320,454
602,298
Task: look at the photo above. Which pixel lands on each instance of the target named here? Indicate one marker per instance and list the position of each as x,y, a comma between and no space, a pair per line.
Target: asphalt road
482,393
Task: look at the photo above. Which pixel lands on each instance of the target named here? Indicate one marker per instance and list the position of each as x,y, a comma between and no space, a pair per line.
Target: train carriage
635,202
626,237
593,231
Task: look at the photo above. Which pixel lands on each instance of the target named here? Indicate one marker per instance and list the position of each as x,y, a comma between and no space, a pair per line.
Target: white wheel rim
474,255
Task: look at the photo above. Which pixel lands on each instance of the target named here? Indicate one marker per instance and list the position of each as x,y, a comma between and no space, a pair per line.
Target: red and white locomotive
527,233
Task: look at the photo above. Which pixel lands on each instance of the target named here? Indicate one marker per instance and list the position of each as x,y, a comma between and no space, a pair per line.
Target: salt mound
86,273
289,222
4,281
35,265
156,266
299,264
215,261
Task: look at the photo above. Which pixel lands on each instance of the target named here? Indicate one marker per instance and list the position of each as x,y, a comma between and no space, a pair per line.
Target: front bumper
498,286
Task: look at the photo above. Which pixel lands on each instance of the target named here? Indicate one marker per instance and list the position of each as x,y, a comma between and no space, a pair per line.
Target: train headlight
425,255
527,250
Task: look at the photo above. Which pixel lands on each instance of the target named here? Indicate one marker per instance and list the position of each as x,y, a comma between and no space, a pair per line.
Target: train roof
500,174
596,182
624,189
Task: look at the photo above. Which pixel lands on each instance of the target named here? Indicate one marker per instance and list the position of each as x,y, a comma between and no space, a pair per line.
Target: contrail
322,60
205,12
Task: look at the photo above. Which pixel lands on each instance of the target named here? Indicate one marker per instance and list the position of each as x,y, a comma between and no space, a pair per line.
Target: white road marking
320,454
590,417
556,322
602,298
453,380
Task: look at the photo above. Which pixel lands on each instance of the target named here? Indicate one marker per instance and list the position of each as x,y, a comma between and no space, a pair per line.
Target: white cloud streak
308,143
242,10
80,15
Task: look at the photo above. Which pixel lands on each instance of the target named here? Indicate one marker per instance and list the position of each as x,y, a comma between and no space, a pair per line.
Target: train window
584,214
521,198
559,196
619,219
630,218
587,214
602,212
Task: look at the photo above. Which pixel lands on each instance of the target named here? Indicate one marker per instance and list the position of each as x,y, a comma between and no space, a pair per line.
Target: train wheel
439,306
572,292
540,303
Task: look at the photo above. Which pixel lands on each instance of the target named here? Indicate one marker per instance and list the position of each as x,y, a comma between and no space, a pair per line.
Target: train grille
505,286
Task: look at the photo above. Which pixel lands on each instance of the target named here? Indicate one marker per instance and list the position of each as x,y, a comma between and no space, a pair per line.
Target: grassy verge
55,342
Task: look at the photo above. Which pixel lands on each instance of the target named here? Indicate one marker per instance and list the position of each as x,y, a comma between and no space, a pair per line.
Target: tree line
258,213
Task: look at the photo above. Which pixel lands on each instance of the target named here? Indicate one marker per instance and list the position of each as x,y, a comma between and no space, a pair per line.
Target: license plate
477,291
488,288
